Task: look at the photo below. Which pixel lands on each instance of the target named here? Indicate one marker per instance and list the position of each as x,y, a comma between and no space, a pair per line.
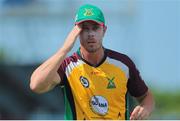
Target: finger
79,25
134,114
139,114
144,114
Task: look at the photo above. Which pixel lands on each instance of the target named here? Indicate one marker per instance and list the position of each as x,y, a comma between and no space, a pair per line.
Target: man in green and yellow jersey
95,80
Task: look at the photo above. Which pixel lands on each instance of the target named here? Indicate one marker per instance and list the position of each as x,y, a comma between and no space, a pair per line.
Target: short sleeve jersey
99,92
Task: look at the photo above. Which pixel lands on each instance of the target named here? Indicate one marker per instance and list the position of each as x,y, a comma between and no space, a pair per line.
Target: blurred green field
167,105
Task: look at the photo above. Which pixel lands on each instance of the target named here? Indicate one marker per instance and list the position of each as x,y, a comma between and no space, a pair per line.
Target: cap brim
79,22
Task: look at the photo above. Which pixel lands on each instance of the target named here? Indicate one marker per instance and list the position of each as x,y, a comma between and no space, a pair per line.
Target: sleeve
136,86
61,72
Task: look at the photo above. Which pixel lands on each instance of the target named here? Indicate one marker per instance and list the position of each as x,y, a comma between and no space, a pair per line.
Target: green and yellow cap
89,13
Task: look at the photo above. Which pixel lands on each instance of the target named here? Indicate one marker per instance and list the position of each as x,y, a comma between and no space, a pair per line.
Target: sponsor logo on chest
99,105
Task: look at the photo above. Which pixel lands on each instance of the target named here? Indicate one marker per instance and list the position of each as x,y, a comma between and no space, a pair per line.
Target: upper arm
39,87
56,80
136,85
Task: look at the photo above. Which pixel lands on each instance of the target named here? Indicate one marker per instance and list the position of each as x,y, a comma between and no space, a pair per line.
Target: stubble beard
93,50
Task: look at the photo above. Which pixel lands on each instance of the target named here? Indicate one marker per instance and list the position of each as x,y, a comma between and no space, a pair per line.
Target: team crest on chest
84,81
111,83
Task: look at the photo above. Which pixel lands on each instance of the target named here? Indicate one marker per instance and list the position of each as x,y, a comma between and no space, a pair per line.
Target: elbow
34,86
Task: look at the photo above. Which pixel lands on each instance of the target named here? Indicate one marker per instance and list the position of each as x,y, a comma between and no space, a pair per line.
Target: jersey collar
97,65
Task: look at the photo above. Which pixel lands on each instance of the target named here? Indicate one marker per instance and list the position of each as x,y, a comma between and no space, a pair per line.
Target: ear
104,29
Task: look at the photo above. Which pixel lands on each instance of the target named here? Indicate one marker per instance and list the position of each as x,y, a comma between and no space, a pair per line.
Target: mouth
91,42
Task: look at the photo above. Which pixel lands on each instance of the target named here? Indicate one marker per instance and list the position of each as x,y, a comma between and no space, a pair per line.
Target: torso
97,92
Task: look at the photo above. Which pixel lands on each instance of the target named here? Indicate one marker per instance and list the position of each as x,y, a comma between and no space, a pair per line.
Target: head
91,19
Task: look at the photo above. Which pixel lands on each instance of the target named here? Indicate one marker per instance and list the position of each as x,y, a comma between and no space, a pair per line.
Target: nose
91,34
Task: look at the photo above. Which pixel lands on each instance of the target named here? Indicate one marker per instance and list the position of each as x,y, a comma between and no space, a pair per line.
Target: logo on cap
88,12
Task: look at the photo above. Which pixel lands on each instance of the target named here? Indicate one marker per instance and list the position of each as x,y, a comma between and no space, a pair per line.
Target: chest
106,79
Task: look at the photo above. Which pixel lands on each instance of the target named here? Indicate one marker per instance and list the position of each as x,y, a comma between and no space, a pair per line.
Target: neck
93,58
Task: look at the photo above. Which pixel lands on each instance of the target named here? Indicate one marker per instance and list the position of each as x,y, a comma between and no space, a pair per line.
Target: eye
95,28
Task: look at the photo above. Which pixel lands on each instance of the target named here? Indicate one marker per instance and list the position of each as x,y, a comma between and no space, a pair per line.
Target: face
91,36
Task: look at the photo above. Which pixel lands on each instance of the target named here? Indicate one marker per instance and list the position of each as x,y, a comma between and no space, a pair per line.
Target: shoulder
72,58
119,57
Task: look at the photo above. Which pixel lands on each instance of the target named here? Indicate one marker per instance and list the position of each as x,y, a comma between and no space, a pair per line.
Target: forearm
148,102
45,76
53,63
145,107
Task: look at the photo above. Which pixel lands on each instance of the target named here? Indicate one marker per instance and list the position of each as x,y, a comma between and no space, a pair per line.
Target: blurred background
148,31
